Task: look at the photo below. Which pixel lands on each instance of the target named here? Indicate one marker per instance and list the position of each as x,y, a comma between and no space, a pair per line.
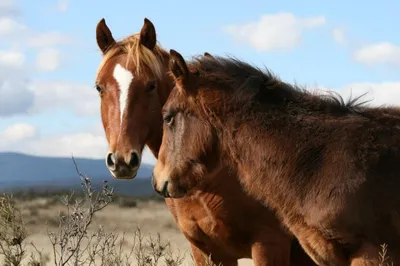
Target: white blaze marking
124,79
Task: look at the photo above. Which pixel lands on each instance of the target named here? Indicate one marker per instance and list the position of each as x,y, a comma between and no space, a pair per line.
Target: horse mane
251,84
138,54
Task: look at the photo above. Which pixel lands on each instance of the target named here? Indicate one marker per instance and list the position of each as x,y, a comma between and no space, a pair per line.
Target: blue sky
49,56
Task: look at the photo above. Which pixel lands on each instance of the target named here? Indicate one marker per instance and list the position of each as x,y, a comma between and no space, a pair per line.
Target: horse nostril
164,190
135,160
111,161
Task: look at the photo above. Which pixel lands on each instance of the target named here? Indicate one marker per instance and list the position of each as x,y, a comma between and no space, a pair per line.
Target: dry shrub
72,243
384,259
12,232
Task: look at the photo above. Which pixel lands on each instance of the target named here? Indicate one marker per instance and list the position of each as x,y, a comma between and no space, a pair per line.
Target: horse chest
202,228
204,225
213,234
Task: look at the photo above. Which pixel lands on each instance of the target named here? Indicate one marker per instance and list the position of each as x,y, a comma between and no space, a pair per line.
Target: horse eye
151,86
99,89
168,119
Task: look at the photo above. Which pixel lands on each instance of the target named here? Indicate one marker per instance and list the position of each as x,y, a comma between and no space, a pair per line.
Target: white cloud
9,26
282,31
6,4
8,7
48,59
148,157
26,138
49,39
385,93
338,36
24,50
15,97
19,96
384,53
83,144
62,5
80,98
19,43
16,133
24,35
12,59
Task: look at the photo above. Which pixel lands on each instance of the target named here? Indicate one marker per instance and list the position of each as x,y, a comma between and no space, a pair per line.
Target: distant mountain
26,172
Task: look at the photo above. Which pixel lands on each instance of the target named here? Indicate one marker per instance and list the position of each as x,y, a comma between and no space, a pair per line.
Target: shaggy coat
329,169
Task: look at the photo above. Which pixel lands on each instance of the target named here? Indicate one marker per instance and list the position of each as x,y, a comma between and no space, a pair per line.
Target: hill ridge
20,171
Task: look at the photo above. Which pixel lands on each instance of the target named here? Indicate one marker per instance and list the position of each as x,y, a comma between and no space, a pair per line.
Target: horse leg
298,257
201,258
270,254
321,250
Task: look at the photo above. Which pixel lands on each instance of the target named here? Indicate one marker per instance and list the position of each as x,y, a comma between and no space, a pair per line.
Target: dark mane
249,83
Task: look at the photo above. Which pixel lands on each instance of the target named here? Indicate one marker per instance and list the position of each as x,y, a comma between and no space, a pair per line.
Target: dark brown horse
330,169
218,219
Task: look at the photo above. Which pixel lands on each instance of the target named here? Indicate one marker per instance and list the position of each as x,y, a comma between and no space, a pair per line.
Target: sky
49,56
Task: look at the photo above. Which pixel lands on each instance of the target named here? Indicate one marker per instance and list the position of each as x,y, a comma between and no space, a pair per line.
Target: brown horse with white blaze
219,220
330,169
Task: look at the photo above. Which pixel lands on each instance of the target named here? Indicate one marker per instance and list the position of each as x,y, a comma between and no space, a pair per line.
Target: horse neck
262,156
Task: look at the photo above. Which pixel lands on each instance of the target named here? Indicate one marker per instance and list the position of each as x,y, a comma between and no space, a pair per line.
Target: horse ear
103,36
177,65
208,55
148,36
